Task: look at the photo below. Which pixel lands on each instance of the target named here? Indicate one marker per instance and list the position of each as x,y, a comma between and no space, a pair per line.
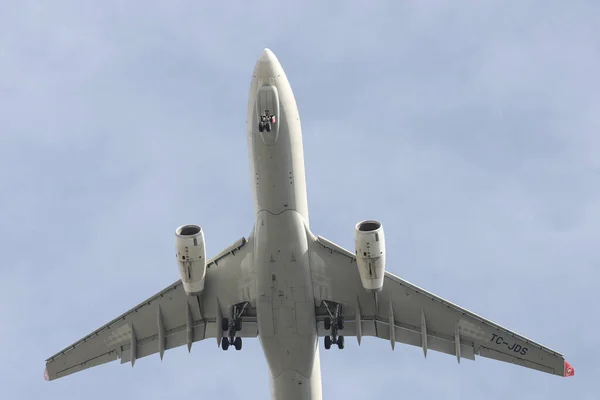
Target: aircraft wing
169,319
405,313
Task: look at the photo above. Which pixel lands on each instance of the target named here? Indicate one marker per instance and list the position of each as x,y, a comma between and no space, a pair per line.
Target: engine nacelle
191,257
369,242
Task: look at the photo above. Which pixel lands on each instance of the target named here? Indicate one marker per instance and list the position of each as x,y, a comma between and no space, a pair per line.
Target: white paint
191,257
369,242
284,292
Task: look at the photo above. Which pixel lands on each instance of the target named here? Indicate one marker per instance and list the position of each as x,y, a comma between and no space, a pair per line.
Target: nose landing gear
233,325
335,323
266,121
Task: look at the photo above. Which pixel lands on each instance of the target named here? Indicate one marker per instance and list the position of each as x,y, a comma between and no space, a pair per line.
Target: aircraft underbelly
277,156
285,301
284,292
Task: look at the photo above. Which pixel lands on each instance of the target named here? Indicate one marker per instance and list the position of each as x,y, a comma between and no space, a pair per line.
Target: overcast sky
470,129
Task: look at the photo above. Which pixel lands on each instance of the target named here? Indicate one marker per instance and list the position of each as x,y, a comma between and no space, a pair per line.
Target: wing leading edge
405,313
168,319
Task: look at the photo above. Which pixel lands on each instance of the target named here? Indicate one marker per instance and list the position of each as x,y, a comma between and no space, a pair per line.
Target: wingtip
569,370
46,377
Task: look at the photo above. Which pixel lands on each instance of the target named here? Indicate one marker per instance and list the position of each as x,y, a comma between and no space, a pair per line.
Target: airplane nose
267,66
267,56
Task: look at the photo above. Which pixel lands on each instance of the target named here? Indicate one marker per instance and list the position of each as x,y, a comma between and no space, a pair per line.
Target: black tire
340,323
327,323
261,127
327,342
340,342
238,343
225,343
268,126
225,324
238,324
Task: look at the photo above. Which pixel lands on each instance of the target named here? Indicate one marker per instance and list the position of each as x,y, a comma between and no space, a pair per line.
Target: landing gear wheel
225,343
327,342
238,325
261,127
225,324
327,323
340,322
238,343
268,126
340,342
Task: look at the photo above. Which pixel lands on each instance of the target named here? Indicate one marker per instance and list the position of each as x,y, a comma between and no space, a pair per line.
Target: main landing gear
334,322
233,325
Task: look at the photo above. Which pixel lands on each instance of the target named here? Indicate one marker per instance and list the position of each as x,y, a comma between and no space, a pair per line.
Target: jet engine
191,257
369,241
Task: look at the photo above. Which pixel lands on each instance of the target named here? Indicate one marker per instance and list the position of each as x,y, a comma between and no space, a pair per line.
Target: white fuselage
284,292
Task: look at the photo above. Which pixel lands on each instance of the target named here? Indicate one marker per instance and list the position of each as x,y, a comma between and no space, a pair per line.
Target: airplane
289,287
